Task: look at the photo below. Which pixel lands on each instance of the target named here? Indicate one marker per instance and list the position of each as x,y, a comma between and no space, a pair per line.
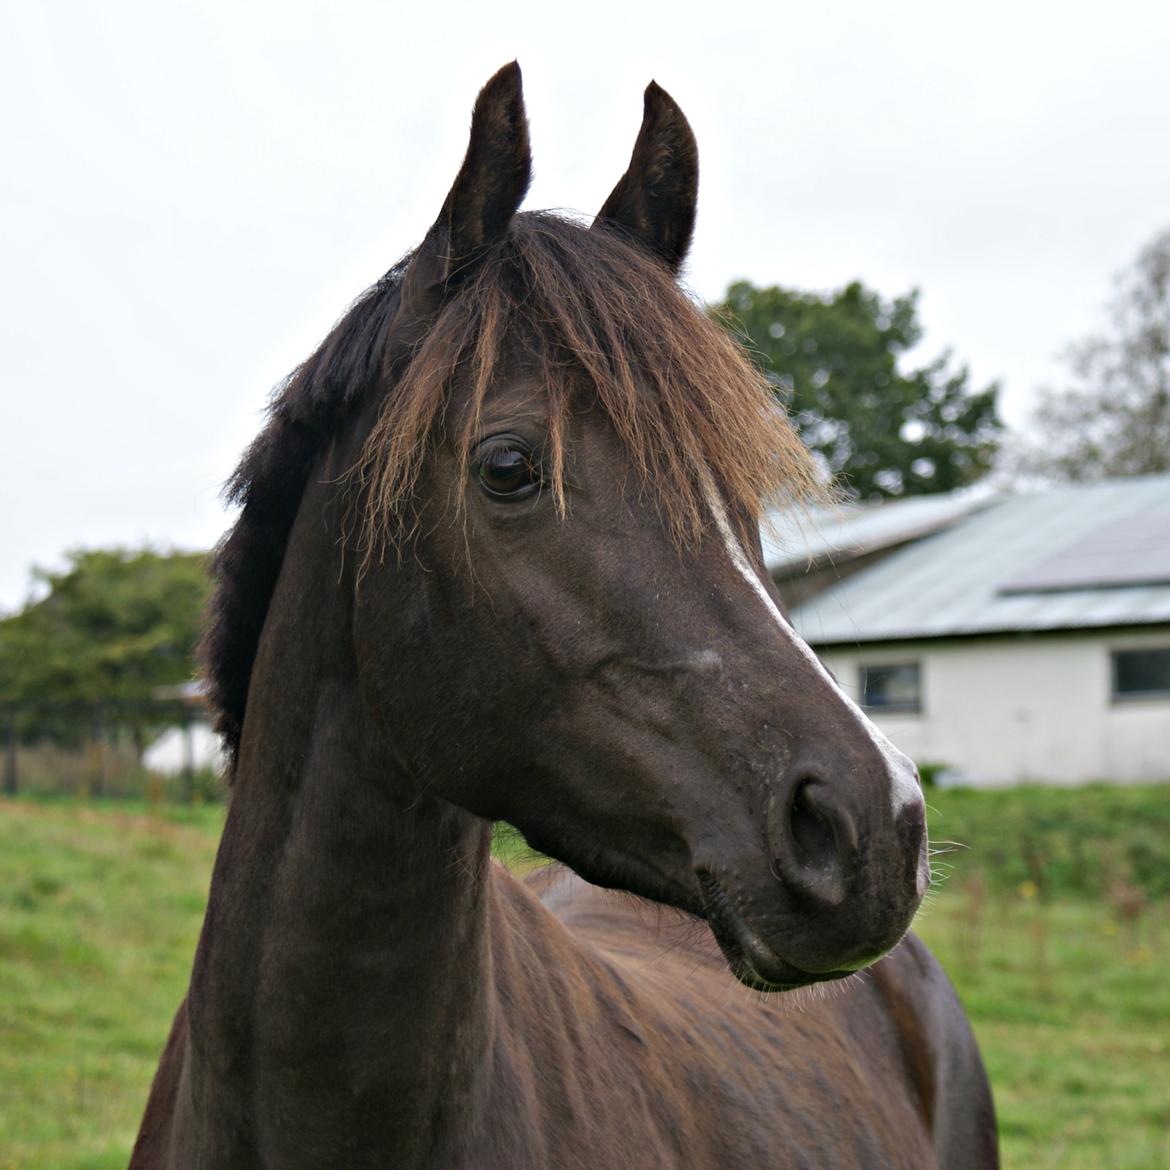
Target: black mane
269,482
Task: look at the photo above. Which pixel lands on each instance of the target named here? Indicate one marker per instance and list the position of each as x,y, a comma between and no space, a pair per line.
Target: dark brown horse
498,560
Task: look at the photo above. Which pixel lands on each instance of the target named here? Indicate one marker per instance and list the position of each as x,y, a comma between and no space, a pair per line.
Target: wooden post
10,776
99,743
188,759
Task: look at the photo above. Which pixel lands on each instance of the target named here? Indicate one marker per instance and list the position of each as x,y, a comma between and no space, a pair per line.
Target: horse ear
486,193
654,200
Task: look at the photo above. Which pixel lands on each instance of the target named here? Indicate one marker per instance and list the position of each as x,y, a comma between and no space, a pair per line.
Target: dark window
892,688
1141,674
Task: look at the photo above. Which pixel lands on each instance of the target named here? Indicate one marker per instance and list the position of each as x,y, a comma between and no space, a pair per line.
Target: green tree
110,627
1114,417
834,361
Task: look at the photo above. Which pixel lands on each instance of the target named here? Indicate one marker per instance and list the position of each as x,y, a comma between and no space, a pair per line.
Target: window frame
1121,698
916,707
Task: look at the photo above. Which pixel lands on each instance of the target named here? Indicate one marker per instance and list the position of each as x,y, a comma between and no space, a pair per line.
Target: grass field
1054,924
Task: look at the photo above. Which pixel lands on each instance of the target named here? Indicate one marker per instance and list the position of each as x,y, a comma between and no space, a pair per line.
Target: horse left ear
654,200
486,194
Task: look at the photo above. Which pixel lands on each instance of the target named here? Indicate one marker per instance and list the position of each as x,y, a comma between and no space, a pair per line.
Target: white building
193,747
1007,639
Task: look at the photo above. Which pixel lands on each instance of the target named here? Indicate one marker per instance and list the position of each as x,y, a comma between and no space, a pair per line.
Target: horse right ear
654,201
486,194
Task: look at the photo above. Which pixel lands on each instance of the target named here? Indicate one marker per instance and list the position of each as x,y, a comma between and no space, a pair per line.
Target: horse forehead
510,395
525,404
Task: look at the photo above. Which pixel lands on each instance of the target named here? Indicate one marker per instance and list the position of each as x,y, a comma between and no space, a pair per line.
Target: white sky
192,192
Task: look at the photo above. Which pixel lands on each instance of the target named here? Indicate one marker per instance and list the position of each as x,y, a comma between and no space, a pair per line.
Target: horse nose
824,841
813,838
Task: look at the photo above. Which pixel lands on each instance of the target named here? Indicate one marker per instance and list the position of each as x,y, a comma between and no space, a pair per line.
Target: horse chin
752,961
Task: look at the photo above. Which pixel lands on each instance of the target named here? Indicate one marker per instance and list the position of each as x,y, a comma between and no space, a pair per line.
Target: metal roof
1134,550
953,582
793,541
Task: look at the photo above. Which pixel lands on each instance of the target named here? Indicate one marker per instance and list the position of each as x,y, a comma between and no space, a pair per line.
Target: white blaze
904,789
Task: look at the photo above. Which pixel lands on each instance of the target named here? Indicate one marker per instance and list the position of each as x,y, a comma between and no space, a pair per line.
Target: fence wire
103,750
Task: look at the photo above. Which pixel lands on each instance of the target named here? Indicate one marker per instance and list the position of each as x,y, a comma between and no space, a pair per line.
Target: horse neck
342,981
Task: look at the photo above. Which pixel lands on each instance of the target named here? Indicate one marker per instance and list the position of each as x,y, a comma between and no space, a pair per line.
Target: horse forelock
588,311
582,312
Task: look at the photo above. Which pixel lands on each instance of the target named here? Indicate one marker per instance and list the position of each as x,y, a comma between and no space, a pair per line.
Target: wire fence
155,749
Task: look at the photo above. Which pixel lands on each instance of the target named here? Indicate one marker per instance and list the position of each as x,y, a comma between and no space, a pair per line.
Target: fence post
10,776
188,758
99,737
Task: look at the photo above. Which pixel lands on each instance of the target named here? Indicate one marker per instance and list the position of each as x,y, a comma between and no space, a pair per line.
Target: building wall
1004,710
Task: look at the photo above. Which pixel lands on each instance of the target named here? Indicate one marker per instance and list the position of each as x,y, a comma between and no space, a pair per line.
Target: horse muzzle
836,894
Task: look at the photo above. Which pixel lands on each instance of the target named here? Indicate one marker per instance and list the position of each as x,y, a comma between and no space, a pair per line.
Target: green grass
100,907
1054,925
1072,1012
1067,841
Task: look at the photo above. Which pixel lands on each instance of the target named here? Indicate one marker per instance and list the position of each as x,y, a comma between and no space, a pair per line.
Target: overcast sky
192,193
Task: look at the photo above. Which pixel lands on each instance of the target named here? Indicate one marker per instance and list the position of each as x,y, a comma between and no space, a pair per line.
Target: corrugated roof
951,583
793,541
1134,550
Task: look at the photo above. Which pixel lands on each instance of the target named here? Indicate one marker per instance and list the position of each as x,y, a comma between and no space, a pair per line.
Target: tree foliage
835,362
1114,419
111,626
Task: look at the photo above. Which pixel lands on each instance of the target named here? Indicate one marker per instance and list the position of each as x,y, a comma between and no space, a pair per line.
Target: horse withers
498,559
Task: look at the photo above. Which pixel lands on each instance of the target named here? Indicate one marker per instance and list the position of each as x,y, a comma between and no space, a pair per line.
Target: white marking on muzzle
904,789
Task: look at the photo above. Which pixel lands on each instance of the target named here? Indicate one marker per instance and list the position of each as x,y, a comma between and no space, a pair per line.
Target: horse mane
589,311
304,414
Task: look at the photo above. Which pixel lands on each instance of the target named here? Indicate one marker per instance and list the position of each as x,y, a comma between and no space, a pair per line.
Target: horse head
560,612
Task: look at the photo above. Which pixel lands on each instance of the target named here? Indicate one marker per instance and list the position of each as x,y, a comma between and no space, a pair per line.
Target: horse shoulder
940,1055
152,1148
638,1015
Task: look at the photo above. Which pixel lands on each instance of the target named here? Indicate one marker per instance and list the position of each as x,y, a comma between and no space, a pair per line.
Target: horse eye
508,470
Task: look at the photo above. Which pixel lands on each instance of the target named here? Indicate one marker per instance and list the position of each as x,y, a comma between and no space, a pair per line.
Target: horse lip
751,959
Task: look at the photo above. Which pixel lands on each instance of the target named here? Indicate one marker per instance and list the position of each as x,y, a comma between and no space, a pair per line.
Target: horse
498,560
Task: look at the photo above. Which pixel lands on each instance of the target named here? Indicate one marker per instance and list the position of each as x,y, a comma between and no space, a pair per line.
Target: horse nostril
812,833
812,840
